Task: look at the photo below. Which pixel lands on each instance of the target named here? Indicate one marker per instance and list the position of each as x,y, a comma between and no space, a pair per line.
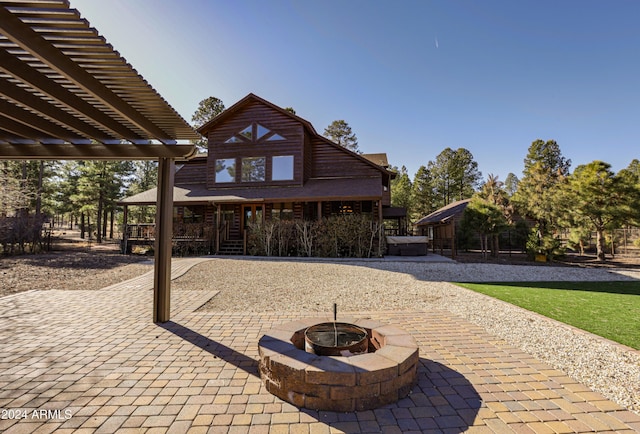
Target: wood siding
192,172
329,161
275,121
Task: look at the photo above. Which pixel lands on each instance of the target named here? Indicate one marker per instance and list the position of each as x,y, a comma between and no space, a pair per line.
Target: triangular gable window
275,137
255,133
261,131
247,132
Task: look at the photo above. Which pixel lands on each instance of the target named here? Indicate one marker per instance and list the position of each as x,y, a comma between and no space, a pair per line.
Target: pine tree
598,196
423,194
340,132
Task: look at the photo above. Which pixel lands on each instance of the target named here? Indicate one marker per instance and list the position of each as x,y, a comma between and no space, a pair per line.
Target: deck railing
141,231
187,237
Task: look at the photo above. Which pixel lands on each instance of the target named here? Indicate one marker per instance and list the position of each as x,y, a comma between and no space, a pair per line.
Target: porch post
163,235
125,229
218,227
319,210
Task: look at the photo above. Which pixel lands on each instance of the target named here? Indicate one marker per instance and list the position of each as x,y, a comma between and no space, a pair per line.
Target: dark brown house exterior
264,162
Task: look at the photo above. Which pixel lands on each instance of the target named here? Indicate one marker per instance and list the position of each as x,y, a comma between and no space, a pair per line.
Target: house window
282,168
261,131
247,132
253,169
282,211
366,207
226,170
254,133
342,208
275,137
193,214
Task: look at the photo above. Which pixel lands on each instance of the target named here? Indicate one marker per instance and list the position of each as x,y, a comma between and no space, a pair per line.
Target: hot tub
407,246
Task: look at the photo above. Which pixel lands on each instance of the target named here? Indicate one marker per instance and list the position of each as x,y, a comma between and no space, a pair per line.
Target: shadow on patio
443,400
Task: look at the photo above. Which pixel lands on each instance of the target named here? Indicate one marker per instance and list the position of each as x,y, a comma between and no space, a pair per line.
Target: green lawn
608,309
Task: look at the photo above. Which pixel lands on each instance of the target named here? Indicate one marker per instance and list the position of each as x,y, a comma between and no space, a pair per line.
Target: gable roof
444,214
229,112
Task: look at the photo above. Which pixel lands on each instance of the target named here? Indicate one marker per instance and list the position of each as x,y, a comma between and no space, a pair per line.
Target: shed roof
444,214
66,93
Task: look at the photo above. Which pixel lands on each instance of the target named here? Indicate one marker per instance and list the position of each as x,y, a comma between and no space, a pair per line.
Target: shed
440,226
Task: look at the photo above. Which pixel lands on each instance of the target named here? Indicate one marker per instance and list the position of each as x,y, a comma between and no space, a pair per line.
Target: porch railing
222,234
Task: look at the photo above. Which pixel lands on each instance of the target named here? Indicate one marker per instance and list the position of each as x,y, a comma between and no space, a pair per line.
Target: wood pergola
65,93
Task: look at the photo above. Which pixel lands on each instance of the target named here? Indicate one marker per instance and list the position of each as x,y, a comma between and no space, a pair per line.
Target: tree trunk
39,192
82,228
483,246
613,244
600,245
104,223
111,222
99,219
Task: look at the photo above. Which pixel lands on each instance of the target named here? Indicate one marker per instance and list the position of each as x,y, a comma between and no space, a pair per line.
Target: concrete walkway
92,361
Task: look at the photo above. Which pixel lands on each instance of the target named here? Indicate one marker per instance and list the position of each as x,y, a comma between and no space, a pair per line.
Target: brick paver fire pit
386,373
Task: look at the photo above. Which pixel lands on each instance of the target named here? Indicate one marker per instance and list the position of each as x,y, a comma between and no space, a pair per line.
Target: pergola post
163,236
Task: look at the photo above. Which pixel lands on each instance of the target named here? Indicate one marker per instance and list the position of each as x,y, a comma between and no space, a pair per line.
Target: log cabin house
264,162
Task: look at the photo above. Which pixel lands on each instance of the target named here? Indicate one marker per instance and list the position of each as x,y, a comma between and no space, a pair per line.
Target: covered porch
220,218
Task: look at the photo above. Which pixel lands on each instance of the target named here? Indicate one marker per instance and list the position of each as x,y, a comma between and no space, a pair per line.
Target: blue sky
410,77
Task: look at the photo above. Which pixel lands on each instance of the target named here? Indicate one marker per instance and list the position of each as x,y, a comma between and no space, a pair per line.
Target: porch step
231,247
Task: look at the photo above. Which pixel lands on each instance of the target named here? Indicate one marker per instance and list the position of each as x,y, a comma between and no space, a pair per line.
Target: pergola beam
27,99
50,129
14,66
25,37
93,151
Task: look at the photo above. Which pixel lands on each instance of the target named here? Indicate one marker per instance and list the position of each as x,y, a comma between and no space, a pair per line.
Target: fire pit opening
336,339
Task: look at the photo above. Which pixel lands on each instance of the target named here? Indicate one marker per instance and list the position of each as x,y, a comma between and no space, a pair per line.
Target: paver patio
92,361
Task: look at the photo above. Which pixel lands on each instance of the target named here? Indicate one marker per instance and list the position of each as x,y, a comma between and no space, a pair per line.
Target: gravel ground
68,270
301,286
